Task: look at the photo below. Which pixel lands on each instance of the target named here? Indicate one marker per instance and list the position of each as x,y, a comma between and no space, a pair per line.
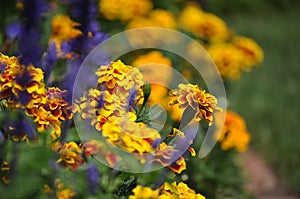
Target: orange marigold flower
124,10
234,133
63,29
228,59
203,24
250,50
56,104
70,155
191,95
63,192
22,86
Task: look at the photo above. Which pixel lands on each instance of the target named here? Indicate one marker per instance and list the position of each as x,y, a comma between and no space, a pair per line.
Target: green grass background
268,97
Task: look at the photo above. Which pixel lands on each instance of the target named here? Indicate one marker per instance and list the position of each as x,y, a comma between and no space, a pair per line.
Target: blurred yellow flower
250,50
149,64
124,10
203,24
140,192
156,18
63,29
201,102
234,133
63,192
227,58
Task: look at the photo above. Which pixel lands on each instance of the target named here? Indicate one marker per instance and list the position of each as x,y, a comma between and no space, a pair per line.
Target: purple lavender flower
49,60
27,31
93,177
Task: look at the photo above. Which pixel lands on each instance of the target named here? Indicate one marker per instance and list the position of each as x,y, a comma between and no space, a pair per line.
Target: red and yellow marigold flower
20,85
70,155
191,95
62,191
234,133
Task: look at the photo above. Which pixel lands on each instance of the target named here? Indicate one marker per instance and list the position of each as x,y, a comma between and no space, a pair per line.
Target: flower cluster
166,191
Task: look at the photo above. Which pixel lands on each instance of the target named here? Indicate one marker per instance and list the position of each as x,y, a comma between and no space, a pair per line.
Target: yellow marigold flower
121,80
70,155
63,192
129,135
140,192
165,18
164,153
56,104
203,24
22,86
124,10
251,51
234,133
95,105
191,95
180,190
144,61
63,29
227,58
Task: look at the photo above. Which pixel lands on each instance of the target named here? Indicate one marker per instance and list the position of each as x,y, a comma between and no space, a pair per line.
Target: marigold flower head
234,133
64,29
70,155
227,58
250,50
140,192
124,10
191,95
145,61
57,105
96,106
166,191
22,86
203,24
62,191
179,165
132,136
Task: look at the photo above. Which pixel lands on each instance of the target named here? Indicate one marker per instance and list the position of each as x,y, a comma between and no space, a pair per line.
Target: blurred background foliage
268,97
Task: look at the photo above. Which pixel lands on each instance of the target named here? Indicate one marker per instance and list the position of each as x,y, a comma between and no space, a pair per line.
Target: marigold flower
234,133
203,24
129,135
179,165
63,29
70,155
191,95
181,190
5,168
22,86
140,192
63,192
227,58
124,10
251,51
95,105
145,62
166,191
